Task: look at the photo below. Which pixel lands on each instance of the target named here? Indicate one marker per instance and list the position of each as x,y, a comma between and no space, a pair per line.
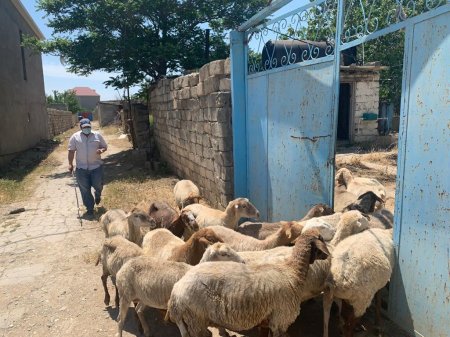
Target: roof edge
24,13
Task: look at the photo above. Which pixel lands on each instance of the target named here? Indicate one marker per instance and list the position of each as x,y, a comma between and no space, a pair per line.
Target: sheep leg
327,302
140,312
122,316
350,320
105,287
117,298
378,308
182,327
136,317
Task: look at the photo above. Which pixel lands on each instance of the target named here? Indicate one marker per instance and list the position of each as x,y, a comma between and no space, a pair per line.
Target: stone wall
59,121
192,129
365,99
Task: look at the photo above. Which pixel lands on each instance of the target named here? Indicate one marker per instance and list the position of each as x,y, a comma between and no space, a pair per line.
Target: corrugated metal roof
84,91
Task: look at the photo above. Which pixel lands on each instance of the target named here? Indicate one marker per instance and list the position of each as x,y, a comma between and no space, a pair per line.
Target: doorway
343,127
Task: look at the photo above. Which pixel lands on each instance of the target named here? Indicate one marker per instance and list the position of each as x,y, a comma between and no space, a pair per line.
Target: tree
66,97
139,38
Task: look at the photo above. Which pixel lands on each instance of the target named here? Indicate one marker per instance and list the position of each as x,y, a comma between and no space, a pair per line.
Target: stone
225,84
216,67
203,73
227,66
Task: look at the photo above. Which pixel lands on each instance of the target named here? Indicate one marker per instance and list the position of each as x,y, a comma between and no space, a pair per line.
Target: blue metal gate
284,155
420,292
284,129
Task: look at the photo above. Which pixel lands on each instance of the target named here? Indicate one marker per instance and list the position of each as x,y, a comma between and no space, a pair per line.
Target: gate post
239,111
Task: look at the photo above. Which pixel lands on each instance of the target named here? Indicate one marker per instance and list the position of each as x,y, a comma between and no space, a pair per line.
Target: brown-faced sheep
151,281
236,209
261,230
162,244
222,294
284,236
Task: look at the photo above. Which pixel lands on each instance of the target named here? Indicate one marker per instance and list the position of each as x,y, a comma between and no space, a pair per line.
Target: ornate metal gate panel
286,150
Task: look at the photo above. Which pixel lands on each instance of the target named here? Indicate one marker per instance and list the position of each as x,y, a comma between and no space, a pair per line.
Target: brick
200,89
203,73
211,84
225,84
177,83
206,141
185,81
216,67
193,92
227,66
185,93
193,79
219,100
207,128
221,130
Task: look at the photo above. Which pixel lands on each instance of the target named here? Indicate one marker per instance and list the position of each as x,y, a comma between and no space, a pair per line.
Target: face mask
86,131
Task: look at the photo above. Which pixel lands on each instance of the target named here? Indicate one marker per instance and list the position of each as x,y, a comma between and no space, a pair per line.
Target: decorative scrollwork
303,35
364,17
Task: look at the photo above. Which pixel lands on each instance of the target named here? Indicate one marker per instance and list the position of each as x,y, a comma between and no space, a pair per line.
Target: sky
57,78
55,75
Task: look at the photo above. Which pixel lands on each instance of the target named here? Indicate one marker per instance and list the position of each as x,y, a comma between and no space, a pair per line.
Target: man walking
88,146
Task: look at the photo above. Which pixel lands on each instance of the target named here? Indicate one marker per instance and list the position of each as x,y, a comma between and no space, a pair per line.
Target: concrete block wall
192,129
59,121
366,100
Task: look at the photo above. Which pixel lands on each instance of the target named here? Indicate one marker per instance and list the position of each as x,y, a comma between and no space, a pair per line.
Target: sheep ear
205,241
319,250
289,233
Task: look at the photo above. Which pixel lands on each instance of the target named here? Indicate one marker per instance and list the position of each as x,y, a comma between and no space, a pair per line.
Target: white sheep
239,296
111,216
162,244
261,230
285,235
133,227
236,209
115,252
359,185
325,224
350,223
186,193
151,281
360,266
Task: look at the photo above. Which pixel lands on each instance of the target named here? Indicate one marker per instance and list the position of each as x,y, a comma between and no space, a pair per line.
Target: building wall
59,121
192,129
106,113
24,114
365,98
88,102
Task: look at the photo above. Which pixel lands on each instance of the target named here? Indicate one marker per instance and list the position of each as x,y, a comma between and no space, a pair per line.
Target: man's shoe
88,215
97,200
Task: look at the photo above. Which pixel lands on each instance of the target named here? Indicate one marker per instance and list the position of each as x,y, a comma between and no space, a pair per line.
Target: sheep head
343,177
312,237
366,203
289,231
207,237
163,213
189,220
318,210
139,218
221,252
243,208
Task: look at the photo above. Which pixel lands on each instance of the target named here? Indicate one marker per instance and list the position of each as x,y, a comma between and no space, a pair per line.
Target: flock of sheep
206,270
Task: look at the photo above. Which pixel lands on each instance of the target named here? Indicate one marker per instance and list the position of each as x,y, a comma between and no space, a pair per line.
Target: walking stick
76,196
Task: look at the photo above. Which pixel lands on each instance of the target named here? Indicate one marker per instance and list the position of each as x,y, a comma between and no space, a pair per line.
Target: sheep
162,244
365,204
236,209
350,223
359,185
111,216
115,252
360,266
287,233
186,193
167,217
151,281
382,218
239,296
325,224
133,227
261,230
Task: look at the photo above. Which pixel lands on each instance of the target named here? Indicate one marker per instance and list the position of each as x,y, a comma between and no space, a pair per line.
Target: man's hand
70,168
101,150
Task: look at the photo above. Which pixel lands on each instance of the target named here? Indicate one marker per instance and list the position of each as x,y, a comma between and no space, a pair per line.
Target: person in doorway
88,146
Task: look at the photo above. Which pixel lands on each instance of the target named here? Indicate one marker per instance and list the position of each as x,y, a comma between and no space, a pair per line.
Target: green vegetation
66,97
141,40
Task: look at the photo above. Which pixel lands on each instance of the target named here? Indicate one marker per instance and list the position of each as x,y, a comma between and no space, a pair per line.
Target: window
22,51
